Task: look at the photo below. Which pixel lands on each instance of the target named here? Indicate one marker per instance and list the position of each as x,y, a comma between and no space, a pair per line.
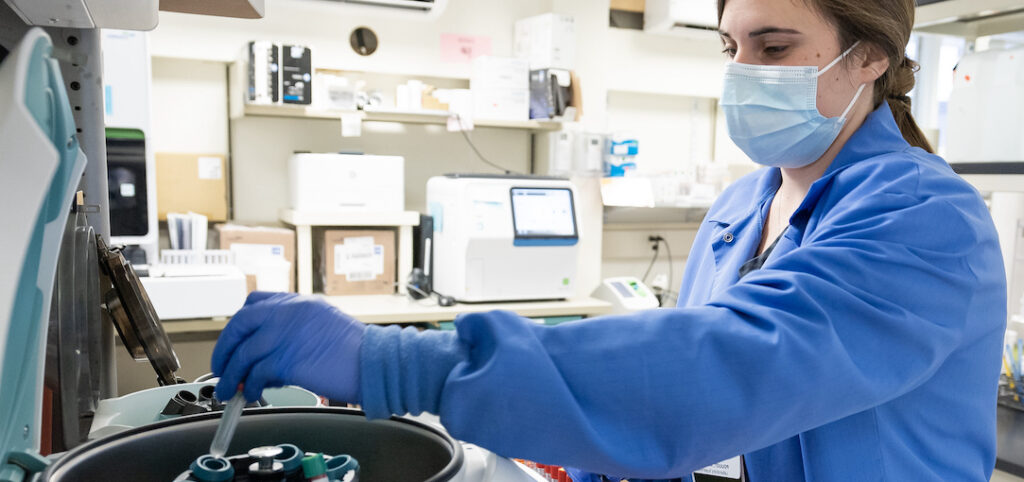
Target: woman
841,314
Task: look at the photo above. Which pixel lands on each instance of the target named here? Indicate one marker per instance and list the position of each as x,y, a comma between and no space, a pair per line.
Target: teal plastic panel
47,102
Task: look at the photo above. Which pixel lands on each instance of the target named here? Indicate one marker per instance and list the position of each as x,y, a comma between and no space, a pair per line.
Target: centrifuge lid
42,165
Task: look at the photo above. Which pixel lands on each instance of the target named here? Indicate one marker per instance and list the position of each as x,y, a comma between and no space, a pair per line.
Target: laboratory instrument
500,238
347,182
626,294
386,450
296,75
152,405
131,161
277,73
35,125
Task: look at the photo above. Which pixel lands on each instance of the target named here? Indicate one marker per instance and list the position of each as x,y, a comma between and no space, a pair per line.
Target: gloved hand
279,339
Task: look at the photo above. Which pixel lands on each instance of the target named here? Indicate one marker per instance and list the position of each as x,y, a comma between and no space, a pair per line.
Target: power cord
469,141
653,260
658,241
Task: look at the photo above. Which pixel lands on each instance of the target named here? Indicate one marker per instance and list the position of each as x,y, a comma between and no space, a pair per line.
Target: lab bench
194,340
1010,438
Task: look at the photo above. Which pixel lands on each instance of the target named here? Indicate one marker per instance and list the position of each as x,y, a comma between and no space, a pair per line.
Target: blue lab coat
866,348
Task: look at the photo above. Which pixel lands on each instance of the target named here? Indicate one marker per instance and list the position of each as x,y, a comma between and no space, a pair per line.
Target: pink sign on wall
463,48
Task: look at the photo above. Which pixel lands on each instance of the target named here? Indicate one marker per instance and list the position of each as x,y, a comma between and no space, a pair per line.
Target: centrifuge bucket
393,450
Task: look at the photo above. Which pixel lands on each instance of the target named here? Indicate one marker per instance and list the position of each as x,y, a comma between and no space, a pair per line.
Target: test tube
228,422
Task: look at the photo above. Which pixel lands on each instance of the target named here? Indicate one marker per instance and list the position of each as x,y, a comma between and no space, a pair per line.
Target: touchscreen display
543,213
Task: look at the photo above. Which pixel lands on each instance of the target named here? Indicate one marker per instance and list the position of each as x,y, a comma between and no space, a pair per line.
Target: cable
655,258
469,141
671,276
658,240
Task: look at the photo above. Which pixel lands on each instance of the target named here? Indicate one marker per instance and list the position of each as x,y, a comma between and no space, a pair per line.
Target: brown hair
885,24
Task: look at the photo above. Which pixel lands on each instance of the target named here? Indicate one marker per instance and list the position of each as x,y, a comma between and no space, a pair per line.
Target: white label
351,125
248,256
729,469
210,168
358,259
127,190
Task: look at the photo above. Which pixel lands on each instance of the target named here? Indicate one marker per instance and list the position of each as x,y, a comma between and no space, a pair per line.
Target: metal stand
81,63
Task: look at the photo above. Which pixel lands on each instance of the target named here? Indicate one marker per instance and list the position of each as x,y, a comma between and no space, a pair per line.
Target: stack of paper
187,231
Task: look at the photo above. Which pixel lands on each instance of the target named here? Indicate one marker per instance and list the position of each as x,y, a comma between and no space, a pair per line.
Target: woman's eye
730,51
775,50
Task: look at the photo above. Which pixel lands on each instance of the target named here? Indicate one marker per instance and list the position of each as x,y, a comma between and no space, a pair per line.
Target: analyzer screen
543,213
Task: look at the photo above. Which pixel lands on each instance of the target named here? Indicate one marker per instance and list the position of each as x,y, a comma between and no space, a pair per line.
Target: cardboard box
359,262
628,5
192,182
254,237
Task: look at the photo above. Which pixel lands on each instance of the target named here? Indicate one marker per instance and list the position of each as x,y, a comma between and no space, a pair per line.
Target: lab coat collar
767,182
878,135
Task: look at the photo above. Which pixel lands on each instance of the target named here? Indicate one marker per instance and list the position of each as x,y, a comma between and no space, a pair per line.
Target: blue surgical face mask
772,113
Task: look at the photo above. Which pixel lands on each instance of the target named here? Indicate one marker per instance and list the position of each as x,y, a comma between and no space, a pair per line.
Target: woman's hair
885,24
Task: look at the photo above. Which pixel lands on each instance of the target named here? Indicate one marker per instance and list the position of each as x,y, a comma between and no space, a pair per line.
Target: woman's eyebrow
768,30
763,31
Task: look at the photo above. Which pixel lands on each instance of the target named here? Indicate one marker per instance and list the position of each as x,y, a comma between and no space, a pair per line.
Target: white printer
347,182
503,238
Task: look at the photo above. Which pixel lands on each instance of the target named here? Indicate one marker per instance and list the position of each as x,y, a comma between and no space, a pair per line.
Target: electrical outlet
660,282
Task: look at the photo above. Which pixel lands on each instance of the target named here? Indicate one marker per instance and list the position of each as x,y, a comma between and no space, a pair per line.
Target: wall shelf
305,221
355,218
406,117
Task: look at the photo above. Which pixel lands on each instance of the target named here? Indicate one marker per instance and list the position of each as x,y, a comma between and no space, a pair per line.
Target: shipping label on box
359,262
249,242
359,259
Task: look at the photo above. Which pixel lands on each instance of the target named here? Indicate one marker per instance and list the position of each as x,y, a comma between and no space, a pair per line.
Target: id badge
731,469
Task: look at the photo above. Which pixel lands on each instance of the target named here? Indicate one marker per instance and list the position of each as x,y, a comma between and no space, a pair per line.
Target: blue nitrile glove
281,339
583,476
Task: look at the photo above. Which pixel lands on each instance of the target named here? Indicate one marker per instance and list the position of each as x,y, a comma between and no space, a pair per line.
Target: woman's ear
873,63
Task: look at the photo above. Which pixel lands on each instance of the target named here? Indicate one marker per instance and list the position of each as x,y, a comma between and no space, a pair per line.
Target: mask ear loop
862,86
854,102
836,61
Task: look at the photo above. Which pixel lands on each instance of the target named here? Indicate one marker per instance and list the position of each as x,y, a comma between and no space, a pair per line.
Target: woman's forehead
743,17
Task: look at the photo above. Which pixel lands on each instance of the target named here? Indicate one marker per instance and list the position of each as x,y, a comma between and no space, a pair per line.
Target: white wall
190,111
675,132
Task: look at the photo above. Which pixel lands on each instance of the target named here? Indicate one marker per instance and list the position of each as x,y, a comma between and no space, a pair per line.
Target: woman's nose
744,56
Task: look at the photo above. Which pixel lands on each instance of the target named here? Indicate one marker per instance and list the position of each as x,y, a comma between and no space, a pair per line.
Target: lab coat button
728,237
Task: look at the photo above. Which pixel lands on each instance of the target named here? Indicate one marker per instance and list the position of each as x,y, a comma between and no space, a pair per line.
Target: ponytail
893,87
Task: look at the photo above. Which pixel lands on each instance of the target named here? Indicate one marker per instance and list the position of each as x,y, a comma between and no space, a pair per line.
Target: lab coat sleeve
866,309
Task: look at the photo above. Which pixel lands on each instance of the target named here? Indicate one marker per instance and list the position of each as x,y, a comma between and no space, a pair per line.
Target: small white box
208,296
547,41
347,182
501,104
492,73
